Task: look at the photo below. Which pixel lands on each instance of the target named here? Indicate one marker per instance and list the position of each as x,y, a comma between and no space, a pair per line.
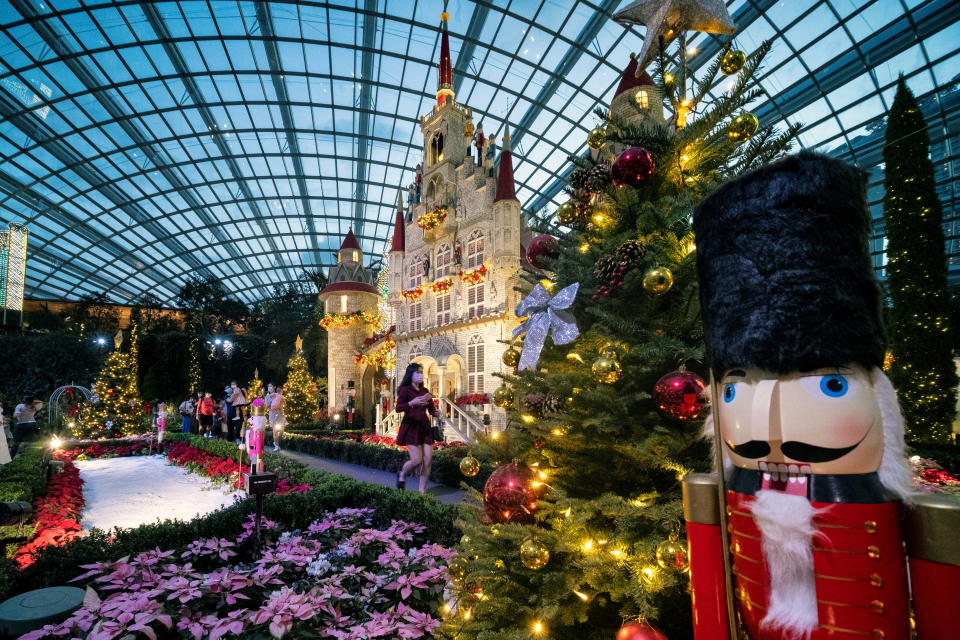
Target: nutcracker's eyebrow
736,373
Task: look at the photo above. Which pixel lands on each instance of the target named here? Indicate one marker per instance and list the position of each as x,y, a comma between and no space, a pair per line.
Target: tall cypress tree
920,332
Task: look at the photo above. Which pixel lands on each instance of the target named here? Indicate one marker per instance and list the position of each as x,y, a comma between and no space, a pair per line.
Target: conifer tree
300,390
607,452
921,336
119,408
255,387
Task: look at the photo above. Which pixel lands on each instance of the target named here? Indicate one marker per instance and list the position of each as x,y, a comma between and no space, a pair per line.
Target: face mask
208,395
270,388
418,377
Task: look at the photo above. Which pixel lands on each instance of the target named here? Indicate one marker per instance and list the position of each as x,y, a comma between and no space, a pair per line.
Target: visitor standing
25,422
186,410
414,401
205,414
278,419
237,399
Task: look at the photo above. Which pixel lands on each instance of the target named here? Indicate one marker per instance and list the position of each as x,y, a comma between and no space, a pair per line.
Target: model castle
453,267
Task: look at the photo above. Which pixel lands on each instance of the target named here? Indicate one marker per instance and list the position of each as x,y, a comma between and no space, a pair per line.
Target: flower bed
55,515
473,398
340,577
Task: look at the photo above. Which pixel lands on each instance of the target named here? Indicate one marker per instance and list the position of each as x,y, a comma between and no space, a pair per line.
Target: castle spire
350,241
445,88
506,190
633,77
399,241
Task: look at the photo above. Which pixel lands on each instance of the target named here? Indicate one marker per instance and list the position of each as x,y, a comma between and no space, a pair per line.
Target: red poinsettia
56,514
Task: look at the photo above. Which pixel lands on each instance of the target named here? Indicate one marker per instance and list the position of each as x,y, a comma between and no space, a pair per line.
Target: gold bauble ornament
503,397
606,369
597,138
672,555
658,280
567,213
511,357
533,554
732,61
469,466
742,127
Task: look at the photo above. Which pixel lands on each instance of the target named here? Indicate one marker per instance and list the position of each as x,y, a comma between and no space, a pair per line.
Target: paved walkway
443,493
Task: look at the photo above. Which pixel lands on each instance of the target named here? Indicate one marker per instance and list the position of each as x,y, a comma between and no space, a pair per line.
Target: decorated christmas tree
255,386
581,533
119,409
921,337
300,391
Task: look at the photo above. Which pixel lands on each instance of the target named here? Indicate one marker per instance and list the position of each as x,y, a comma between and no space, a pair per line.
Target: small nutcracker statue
254,437
806,539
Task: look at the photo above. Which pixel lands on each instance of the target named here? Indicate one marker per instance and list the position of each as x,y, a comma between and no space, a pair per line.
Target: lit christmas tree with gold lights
119,408
300,391
582,534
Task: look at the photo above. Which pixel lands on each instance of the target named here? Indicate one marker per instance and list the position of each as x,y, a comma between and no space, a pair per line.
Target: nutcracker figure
254,437
806,539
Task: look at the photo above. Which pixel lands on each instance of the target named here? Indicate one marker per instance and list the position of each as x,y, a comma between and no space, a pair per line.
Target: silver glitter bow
545,314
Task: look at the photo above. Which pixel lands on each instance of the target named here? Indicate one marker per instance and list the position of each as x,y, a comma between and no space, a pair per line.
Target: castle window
415,272
356,255
642,98
475,365
475,301
416,315
443,309
415,353
343,303
436,148
444,265
475,253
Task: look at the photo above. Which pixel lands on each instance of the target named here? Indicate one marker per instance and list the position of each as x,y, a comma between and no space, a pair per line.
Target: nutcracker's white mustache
786,530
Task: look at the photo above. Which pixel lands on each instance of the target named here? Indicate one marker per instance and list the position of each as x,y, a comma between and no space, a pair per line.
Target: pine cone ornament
598,178
540,403
630,251
580,178
605,269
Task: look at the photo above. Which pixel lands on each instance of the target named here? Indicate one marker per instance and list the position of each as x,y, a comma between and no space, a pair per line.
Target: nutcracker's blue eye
834,386
729,392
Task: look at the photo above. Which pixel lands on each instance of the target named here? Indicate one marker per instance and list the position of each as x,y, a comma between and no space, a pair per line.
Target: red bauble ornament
639,631
509,494
680,395
632,167
542,247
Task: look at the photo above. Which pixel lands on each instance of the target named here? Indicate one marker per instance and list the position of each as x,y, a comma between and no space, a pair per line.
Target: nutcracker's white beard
786,532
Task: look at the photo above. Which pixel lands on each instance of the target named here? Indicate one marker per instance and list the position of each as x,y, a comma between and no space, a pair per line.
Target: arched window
436,148
415,352
642,98
475,364
475,252
415,308
444,264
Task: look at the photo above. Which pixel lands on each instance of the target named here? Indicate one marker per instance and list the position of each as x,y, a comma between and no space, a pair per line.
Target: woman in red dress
415,401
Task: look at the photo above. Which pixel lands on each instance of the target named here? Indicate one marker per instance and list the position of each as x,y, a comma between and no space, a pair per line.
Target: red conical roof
399,234
629,79
350,241
506,189
445,84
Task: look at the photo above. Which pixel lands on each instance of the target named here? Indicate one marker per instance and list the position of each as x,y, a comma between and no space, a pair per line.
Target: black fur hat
786,281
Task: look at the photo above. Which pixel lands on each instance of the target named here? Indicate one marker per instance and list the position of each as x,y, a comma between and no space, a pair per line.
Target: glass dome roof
142,143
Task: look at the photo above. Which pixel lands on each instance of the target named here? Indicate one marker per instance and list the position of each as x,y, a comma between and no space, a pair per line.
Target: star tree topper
708,16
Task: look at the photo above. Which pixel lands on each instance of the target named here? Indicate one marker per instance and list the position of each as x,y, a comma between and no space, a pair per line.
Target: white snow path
128,492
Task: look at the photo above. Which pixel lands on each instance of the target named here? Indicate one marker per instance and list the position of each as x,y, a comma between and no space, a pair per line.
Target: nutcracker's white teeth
789,478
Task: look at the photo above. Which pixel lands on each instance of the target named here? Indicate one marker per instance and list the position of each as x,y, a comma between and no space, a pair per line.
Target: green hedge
23,478
445,469
57,565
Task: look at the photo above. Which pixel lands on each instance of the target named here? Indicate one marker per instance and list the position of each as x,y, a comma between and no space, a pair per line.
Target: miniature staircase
462,424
